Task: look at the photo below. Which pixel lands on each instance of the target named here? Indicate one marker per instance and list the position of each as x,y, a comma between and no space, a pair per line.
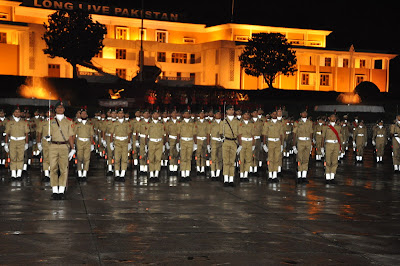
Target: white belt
186,139
304,138
172,137
257,137
331,141
274,139
17,138
202,138
108,134
134,133
121,138
98,130
155,140
4,134
142,135
216,139
84,139
380,136
247,139
319,133
360,135
288,132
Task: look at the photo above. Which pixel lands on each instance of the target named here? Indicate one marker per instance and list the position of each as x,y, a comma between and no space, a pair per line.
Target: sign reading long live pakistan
101,9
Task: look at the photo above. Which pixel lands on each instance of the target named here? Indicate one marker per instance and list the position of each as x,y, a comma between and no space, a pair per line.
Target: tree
268,55
74,36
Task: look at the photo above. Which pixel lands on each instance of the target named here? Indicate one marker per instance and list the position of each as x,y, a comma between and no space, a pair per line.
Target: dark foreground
354,222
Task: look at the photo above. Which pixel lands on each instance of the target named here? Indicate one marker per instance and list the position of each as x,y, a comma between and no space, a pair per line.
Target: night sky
368,27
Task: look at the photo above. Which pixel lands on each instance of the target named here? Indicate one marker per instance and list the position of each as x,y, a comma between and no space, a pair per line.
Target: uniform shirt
119,129
202,128
379,131
187,129
318,130
3,123
358,132
17,129
43,128
288,127
102,125
395,129
84,130
172,127
328,133
303,129
229,131
144,127
108,126
67,127
156,130
258,126
273,130
246,130
214,129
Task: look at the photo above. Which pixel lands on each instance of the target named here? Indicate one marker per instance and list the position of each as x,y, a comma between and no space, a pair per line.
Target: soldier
302,136
107,140
84,132
43,142
164,156
273,145
395,134
17,131
36,121
238,114
172,130
317,139
282,120
203,140
62,149
331,134
187,144
230,147
360,140
215,147
354,126
28,152
3,122
155,142
346,135
101,129
135,137
246,139
379,140
143,132
257,131
288,138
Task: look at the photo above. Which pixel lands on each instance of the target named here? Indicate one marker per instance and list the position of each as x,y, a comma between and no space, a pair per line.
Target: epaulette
69,118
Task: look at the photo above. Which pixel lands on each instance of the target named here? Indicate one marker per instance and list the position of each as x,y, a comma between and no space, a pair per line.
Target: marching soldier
288,138
379,140
360,140
107,140
257,131
331,147
203,140
186,145
229,133
135,137
215,147
17,131
143,132
302,136
354,126
61,150
172,130
43,142
164,156
36,120
155,142
121,131
318,138
273,145
3,122
282,120
246,139
84,132
395,134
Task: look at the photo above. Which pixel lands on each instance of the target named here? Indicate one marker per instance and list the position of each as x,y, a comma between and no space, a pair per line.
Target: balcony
176,81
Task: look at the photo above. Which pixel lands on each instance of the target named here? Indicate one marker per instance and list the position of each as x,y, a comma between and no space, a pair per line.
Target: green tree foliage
74,36
268,55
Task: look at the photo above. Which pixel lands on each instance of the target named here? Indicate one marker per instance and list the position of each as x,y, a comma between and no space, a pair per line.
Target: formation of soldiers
217,143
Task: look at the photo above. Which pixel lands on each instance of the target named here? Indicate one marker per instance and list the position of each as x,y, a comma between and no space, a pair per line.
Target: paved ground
355,222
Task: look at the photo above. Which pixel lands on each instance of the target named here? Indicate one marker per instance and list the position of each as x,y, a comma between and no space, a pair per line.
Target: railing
176,78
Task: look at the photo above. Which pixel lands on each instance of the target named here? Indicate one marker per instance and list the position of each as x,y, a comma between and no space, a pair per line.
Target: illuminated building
186,53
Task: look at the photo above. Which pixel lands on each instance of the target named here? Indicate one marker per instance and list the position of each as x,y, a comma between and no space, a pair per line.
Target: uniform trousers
58,161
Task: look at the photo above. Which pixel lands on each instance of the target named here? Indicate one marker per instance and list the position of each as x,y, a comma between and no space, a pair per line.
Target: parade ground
102,222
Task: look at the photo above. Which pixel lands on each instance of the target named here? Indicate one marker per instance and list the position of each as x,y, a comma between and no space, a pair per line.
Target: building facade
186,53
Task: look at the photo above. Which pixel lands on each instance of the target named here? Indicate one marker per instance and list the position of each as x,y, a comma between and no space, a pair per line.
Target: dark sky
367,26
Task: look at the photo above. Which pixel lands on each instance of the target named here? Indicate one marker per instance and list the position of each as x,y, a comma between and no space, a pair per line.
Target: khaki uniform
202,129
288,128
304,132
332,148
143,132
121,136
229,147
84,134
246,133
108,125
186,131
274,136
257,131
379,135
318,139
36,122
395,131
3,154
59,150
172,130
346,136
360,137
16,132
156,134
43,130
216,147
135,137
100,130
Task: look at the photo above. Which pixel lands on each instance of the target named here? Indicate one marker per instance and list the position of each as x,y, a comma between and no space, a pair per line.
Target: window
142,32
3,16
192,76
162,36
362,63
179,58
120,54
324,80
54,70
216,57
359,79
178,75
378,64
216,79
3,37
305,79
121,72
192,58
188,40
345,62
99,54
241,38
328,61
121,33
161,57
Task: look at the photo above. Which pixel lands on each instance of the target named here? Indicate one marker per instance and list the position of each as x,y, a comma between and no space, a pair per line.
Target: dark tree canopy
74,36
268,55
